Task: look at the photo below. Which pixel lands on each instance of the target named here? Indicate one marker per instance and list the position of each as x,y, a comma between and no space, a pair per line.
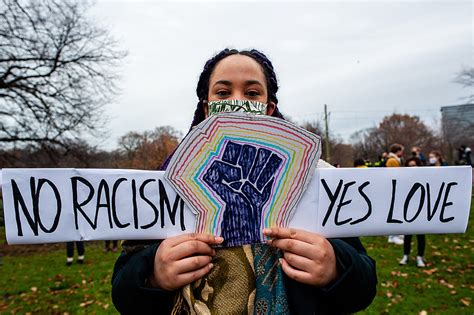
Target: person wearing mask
295,272
421,239
435,159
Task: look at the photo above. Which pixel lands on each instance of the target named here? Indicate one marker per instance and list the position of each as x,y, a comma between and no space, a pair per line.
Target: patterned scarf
245,280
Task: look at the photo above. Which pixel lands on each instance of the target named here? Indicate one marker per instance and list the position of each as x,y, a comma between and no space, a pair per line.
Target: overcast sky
365,60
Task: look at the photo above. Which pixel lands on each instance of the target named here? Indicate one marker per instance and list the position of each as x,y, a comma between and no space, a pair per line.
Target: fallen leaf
466,302
430,271
422,312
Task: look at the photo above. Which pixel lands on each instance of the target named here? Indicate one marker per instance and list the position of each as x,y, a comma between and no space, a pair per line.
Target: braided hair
202,89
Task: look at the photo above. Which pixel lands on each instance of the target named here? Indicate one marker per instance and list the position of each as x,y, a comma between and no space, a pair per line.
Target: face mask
433,160
256,108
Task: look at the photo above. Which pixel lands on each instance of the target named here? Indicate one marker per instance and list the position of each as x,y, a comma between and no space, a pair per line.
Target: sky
364,59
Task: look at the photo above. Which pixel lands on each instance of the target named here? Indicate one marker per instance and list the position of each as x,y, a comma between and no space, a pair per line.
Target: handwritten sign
236,169
57,205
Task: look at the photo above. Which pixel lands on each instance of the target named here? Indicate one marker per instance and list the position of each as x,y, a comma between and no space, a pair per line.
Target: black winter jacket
352,291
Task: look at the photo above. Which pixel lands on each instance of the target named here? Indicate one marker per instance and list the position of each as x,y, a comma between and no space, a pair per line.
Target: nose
238,95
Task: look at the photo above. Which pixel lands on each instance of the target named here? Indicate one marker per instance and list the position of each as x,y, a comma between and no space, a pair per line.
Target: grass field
35,279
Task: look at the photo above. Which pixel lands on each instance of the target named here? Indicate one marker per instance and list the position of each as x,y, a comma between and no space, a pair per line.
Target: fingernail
219,239
267,231
279,260
211,265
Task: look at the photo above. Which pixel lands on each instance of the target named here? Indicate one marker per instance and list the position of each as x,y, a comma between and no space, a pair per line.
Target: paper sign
236,170
57,205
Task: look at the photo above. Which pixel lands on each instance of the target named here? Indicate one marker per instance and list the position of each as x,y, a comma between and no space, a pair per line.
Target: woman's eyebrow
250,82
225,82
229,83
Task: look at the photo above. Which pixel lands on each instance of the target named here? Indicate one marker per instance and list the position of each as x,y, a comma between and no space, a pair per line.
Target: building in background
457,124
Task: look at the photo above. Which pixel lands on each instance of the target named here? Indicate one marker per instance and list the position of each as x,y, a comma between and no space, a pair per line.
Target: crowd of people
396,158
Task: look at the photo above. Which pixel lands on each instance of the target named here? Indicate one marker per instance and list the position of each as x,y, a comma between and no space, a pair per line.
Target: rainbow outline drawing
298,149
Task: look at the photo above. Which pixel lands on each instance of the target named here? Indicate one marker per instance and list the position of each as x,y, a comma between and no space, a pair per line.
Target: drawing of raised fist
243,179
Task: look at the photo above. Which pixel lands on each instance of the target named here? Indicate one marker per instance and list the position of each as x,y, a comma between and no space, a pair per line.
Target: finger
190,248
206,238
295,274
295,246
302,235
188,277
192,263
299,262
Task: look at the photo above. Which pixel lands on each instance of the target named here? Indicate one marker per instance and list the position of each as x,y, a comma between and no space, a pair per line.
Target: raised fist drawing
243,179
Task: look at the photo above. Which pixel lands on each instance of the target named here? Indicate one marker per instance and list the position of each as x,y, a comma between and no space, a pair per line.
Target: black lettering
78,206
343,203
181,213
410,195
134,202
332,198
438,199
369,203
390,218
155,210
114,206
103,186
165,201
19,201
446,204
36,196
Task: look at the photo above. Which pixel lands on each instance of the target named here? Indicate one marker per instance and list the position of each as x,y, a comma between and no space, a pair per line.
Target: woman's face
238,77
433,157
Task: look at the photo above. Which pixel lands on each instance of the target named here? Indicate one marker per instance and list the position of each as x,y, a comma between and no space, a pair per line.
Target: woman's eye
222,93
253,93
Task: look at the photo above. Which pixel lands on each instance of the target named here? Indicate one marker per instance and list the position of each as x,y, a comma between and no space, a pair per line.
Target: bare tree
148,150
466,78
404,129
57,71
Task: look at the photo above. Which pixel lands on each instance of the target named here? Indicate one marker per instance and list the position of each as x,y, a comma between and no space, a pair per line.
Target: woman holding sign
295,272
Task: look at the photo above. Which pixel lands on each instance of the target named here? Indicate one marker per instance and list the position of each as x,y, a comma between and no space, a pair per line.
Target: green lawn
35,279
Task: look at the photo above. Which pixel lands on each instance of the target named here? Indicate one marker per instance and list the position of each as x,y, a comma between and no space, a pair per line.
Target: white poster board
57,205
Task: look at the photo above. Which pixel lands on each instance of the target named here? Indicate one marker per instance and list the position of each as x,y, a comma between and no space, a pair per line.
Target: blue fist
243,179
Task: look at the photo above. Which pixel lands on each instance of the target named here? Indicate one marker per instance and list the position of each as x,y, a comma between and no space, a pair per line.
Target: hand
183,259
308,257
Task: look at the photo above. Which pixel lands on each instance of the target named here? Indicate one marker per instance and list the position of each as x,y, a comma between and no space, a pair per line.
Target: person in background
395,155
114,246
435,159
416,152
464,155
382,160
395,160
70,252
420,261
359,163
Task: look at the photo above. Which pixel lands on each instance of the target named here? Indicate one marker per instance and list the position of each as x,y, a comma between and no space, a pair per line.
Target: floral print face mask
252,107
